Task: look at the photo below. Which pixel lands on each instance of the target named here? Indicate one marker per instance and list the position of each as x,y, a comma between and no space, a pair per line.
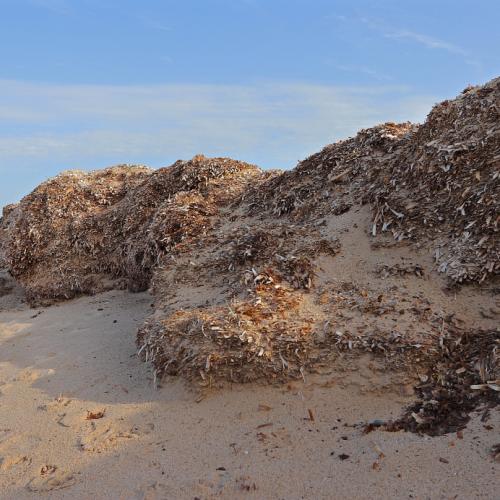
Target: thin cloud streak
425,40
245,115
45,128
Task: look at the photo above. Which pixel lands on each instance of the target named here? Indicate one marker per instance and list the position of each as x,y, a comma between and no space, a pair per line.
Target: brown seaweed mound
401,171
82,233
270,275
42,247
439,181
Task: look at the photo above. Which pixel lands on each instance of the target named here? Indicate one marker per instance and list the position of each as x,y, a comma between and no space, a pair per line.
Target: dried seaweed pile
270,313
259,321
6,222
264,335
163,216
40,242
445,184
436,182
248,268
88,232
331,181
463,374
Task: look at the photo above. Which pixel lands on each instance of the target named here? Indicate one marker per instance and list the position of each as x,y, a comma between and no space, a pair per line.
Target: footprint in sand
9,462
102,438
51,478
218,483
99,436
4,433
32,375
154,491
9,330
55,405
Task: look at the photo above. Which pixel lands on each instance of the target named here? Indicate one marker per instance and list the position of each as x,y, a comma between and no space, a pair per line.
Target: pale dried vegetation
241,262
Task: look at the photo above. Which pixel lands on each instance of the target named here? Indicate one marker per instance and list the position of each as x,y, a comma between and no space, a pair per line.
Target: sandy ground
58,363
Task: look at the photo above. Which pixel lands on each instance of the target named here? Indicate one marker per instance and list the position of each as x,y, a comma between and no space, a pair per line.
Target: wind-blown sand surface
301,440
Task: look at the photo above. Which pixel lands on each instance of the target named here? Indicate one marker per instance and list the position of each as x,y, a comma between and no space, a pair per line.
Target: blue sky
90,83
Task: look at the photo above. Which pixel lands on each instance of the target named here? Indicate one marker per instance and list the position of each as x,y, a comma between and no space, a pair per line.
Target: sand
251,441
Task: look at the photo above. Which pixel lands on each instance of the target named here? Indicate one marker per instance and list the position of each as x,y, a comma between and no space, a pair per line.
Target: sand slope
248,441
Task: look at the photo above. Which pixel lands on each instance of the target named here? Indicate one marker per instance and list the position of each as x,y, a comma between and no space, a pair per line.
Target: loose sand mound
272,275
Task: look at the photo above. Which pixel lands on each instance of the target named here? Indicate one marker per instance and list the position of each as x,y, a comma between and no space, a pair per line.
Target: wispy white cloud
45,128
425,40
210,116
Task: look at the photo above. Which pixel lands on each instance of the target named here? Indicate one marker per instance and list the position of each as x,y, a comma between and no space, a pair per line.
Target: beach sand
300,440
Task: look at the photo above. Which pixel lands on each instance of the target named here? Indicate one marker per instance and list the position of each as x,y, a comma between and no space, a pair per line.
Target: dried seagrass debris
243,264
88,232
384,270
455,386
495,452
95,415
300,271
446,183
262,335
436,184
